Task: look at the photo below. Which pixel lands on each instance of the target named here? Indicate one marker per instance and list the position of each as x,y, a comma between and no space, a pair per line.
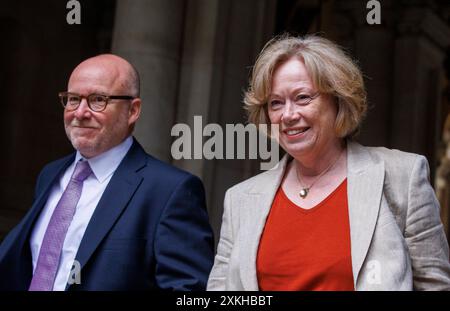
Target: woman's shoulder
399,166
395,157
387,154
262,181
251,184
399,163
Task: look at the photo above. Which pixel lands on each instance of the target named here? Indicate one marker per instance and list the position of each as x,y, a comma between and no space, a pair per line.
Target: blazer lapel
365,178
118,193
254,210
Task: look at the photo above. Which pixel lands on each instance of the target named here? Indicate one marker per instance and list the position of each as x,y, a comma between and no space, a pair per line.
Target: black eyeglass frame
61,96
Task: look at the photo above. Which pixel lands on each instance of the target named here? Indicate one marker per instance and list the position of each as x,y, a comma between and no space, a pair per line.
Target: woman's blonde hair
331,70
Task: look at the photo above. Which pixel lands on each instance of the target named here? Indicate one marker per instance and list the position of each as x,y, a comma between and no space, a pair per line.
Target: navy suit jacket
150,230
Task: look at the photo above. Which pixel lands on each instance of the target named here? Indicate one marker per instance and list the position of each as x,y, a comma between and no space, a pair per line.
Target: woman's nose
290,113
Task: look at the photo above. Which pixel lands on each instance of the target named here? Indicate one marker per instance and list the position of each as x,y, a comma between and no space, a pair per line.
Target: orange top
306,249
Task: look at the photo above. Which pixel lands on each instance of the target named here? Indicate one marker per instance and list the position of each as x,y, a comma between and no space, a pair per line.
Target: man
109,216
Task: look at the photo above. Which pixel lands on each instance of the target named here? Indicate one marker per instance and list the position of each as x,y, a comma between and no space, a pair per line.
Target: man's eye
73,99
98,99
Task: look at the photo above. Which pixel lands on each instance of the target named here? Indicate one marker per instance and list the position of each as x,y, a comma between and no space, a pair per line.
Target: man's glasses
96,102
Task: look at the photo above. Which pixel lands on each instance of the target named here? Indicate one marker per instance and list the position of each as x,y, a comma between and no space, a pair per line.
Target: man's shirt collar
106,163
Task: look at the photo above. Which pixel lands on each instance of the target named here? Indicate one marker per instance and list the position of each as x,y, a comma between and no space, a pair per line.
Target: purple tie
50,253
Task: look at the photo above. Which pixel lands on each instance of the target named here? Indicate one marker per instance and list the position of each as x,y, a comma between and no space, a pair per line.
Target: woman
332,215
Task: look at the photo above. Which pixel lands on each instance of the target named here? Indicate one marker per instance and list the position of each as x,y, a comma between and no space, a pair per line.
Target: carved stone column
149,35
418,76
222,40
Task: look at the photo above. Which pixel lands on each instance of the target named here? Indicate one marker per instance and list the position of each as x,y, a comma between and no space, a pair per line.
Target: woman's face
306,125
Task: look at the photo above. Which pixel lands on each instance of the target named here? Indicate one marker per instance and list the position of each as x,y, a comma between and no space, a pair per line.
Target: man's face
90,132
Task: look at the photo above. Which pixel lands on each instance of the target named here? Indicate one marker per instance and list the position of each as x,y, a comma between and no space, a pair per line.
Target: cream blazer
397,238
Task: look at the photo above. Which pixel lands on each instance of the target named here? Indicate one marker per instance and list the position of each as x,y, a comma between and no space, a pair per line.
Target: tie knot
82,171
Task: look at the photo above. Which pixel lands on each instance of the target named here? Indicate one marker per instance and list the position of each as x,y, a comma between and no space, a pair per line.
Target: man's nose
83,111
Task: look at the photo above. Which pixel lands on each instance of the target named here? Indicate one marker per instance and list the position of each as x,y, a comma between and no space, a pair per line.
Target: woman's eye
275,103
302,97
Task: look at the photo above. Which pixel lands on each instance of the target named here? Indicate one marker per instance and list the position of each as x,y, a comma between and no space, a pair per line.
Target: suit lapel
118,193
255,207
365,186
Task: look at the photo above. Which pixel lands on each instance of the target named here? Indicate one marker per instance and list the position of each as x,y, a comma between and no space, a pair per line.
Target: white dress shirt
103,166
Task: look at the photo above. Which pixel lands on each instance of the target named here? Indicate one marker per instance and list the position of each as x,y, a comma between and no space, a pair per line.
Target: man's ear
134,111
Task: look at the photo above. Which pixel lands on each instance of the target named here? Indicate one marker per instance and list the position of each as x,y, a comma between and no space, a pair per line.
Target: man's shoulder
164,178
58,163
165,172
164,169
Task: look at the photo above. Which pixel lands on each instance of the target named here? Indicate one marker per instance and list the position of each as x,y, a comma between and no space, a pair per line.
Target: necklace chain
305,190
